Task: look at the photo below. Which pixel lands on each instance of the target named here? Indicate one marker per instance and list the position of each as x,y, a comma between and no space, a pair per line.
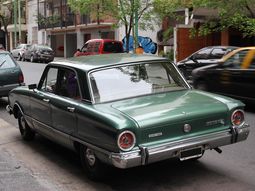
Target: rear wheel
26,132
32,59
19,57
95,169
23,58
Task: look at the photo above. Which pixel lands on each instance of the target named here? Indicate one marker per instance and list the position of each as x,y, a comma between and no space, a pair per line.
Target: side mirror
32,86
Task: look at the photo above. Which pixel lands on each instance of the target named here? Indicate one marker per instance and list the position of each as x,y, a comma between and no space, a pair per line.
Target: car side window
217,53
50,81
6,61
90,47
252,65
203,54
236,60
96,47
68,84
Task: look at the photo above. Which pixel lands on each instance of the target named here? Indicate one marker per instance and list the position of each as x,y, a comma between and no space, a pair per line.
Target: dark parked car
203,57
11,75
234,76
19,51
100,46
39,53
125,110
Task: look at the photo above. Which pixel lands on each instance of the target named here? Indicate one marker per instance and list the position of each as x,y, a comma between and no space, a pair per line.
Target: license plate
191,153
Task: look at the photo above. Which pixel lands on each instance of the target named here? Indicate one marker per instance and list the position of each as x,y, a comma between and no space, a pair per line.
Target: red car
100,46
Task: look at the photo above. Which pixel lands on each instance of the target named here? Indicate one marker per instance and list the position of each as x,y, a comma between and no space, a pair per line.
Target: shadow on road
3,102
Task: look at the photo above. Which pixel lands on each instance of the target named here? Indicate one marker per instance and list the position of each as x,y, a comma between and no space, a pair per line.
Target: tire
26,132
32,58
94,168
23,58
19,57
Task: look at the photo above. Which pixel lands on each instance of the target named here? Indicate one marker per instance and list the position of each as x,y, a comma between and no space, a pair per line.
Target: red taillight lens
237,117
126,140
21,78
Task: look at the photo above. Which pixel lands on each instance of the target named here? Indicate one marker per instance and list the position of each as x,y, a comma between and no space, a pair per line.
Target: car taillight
237,117
126,140
21,78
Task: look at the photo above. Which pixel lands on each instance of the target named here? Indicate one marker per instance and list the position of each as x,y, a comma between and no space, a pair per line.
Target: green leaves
238,14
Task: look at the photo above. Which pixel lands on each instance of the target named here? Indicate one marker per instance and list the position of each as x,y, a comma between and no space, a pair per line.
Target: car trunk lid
163,116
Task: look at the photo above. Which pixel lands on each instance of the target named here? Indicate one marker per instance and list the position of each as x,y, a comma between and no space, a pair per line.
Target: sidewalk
14,176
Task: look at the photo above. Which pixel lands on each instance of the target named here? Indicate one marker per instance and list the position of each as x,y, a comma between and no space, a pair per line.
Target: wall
185,45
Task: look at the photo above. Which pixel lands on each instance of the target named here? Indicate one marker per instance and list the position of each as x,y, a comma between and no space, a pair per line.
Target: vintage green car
125,110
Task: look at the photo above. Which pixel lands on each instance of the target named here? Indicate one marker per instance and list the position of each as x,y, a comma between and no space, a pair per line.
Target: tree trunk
6,33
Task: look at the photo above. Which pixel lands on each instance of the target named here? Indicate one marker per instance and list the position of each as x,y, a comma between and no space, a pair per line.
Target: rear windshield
113,47
135,80
6,61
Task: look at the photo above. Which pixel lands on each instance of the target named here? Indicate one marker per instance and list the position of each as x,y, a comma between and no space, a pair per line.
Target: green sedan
125,110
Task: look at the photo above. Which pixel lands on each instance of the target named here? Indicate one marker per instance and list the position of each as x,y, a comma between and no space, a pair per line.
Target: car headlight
126,140
237,117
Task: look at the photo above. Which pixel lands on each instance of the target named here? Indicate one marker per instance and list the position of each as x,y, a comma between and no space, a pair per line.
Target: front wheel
26,132
95,169
32,59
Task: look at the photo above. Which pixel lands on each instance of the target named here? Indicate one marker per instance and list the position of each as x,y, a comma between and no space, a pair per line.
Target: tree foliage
237,14
122,11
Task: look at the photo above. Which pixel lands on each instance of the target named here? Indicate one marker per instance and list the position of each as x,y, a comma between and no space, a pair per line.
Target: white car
19,51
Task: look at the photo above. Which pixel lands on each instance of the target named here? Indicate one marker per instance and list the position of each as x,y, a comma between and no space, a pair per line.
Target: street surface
43,165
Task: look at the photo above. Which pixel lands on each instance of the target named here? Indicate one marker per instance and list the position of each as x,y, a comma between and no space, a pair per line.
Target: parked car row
33,53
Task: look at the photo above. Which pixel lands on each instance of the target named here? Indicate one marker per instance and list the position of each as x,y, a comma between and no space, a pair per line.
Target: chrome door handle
46,100
71,109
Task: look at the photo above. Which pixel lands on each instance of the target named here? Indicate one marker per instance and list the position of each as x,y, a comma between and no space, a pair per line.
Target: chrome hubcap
90,157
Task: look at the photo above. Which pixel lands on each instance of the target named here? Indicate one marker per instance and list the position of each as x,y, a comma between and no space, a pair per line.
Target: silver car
18,52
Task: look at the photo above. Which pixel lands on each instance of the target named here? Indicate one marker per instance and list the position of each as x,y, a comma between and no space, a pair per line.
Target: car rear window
6,61
113,47
135,80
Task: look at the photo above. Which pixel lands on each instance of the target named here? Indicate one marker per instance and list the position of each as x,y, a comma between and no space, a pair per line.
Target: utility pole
19,18
136,24
15,23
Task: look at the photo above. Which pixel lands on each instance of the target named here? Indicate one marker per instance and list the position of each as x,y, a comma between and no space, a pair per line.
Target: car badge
187,128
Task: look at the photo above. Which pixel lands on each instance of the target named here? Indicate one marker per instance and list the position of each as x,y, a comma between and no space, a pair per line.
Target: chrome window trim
129,64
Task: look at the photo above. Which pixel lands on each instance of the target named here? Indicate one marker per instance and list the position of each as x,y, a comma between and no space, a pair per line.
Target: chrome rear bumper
145,155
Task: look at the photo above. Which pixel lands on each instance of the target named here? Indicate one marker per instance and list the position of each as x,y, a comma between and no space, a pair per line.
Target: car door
230,78
64,105
40,102
242,75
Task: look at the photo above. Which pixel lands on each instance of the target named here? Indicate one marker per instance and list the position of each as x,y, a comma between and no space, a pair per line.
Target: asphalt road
43,165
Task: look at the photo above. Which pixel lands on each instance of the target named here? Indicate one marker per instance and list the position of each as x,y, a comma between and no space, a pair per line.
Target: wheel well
16,109
77,146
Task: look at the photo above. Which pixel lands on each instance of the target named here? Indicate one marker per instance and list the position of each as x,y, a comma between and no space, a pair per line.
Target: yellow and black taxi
234,76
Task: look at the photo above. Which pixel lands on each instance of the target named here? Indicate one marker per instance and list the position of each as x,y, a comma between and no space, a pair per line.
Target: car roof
92,62
102,40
